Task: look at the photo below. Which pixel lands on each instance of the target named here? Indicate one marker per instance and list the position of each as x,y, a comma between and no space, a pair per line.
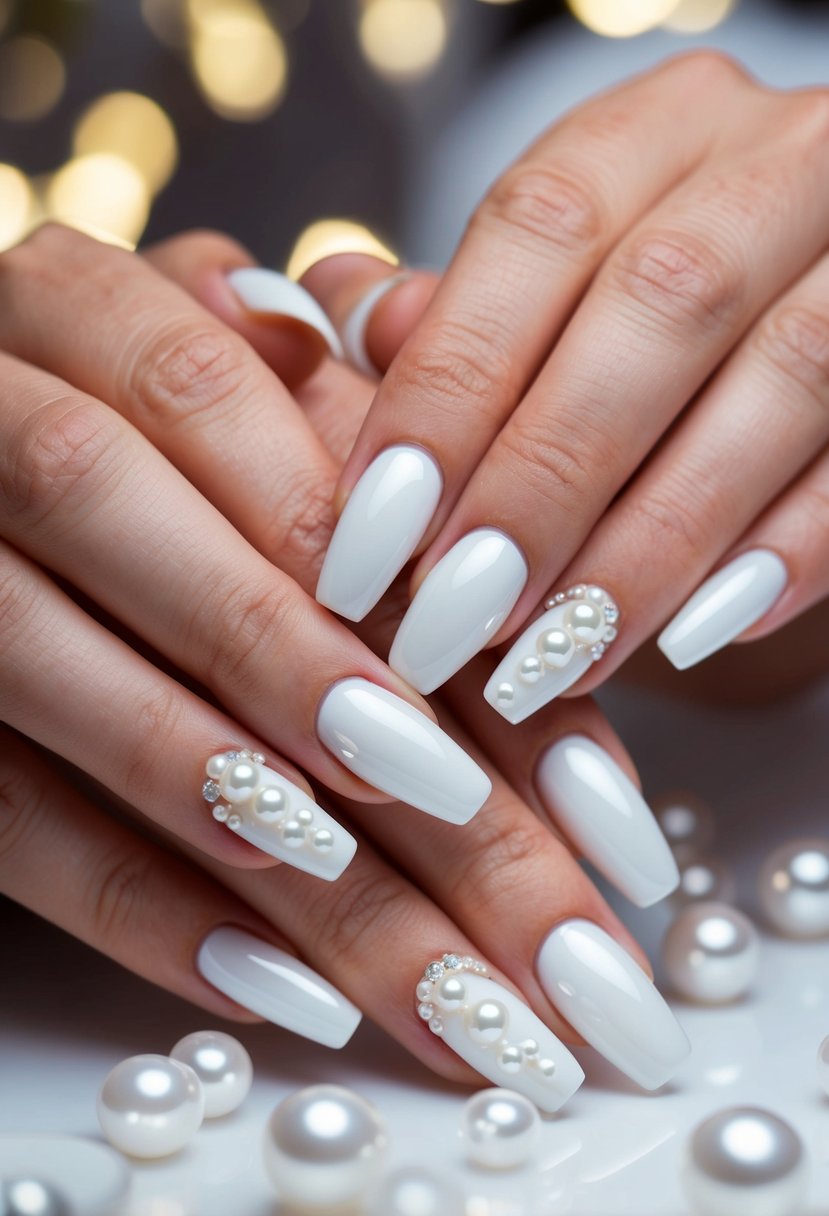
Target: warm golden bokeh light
697,16
133,127
16,205
326,237
621,18
101,194
239,59
32,77
403,39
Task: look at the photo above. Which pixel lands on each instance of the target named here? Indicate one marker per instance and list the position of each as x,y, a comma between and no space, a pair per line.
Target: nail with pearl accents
276,816
555,651
495,1032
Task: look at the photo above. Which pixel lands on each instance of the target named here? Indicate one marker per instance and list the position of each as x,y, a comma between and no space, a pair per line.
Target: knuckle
708,67
679,522
153,732
301,524
679,279
541,203
500,855
188,370
119,886
458,368
795,341
366,907
558,467
233,632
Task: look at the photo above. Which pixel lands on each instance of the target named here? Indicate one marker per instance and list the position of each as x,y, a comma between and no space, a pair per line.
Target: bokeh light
239,59
133,127
326,237
621,18
101,194
32,77
698,16
403,39
17,205
167,20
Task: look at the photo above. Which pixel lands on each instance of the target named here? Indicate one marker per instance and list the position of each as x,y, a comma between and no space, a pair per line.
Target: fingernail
609,1000
356,324
496,1033
397,749
272,294
276,986
276,816
554,652
723,607
606,817
461,604
386,515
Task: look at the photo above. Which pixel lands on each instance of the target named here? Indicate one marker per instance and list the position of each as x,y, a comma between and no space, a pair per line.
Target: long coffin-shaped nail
397,749
271,294
356,323
386,515
554,652
277,986
609,1000
270,812
606,817
462,603
495,1032
725,605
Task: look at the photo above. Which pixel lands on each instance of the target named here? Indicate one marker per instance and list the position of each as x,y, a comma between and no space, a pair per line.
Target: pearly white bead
222,1065
487,1021
745,1161
711,953
150,1106
500,1129
239,780
793,888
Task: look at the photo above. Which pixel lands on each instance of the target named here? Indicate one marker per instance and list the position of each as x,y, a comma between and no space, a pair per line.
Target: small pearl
222,1065
704,878
547,1068
305,816
530,1048
271,803
687,823
234,822
424,990
486,1021
28,1196
823,1066
505,694
426,1010
556,647
220,812
711,952
511,1059
450,992
239,780
323,840
586,621
150,1106
293,833
597,594
216,765
793,888
530,670
500,1129
742,1161
324,1146
416,1192
436,1026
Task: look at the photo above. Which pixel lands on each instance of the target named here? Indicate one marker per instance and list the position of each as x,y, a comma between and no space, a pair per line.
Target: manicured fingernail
723,607
275,295
495,1032
606,817
389,510
357,321
461,604
609,1000
554,652
276,816
397,749
277,986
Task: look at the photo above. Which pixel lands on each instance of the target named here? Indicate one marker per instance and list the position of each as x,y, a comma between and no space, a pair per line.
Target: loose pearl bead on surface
823,1066
500,1129
150,1106
703,878
324,1146
711,952
416,1192
222,1065
686,822
793,888
745,1161
29,1196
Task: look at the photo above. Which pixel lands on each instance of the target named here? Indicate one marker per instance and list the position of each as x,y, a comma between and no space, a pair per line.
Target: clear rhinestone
611,613
426,1011
220,812
247,753
210,791
468,962
597,651
452,961
434,971
258,758
480,969
436,1026
233,755
234,822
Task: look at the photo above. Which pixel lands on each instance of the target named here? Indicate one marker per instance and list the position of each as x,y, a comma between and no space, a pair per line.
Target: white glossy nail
272,294
495,1032
389,510
277,986
270,812
357,322
723,607
609,1000
397,749
461,604
606,817
552,653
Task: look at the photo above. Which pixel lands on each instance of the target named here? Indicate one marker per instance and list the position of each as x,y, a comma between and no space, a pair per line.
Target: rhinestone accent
434,971
452,961
210,791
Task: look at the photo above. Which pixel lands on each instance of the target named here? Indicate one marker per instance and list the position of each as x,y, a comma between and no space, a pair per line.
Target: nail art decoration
272,813
555,651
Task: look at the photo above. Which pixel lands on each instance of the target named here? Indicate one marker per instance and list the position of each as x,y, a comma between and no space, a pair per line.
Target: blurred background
306,126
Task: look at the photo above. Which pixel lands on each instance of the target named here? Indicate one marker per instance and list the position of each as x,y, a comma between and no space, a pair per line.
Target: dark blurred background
138,118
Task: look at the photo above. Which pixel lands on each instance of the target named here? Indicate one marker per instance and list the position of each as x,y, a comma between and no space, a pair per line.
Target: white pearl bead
823,1066
150,1106
293,833
271,803
29,1196
745,1161
586,621
414,1191
239,780
450,992
486,1021
216,765
511,1059
505,694
704,878
711,952
530,670
793,888
324,1146
500,1129
222,1065
556,647
686,822
323,840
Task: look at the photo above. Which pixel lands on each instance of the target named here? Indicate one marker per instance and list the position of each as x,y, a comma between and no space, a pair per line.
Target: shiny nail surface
357,322
272,294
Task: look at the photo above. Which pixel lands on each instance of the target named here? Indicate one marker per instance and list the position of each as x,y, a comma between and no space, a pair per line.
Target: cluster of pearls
252,792
442,994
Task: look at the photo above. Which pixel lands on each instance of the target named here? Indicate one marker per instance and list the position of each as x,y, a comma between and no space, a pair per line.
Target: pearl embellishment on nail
745,1161
500,1129
711,953
222,1065
793,888
150,1106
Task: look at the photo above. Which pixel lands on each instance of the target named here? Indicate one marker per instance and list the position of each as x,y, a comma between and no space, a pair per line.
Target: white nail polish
609,1000
277,986
356,324
555,651
270,812
389,510
495,1032
273,294
723,607
606,817
397,749
461,604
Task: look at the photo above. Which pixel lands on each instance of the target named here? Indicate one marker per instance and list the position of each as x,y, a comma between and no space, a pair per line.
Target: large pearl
745,1161
414,1191
29,1196
586,621
271,803
704,878
150,1106
324,1145
686,822
793,888
823,1066
450,992
487,1021
711,952
238,782
500,1129
222,1065
556,647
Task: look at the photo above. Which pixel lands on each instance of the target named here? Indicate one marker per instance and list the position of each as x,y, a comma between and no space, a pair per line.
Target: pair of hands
153,462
